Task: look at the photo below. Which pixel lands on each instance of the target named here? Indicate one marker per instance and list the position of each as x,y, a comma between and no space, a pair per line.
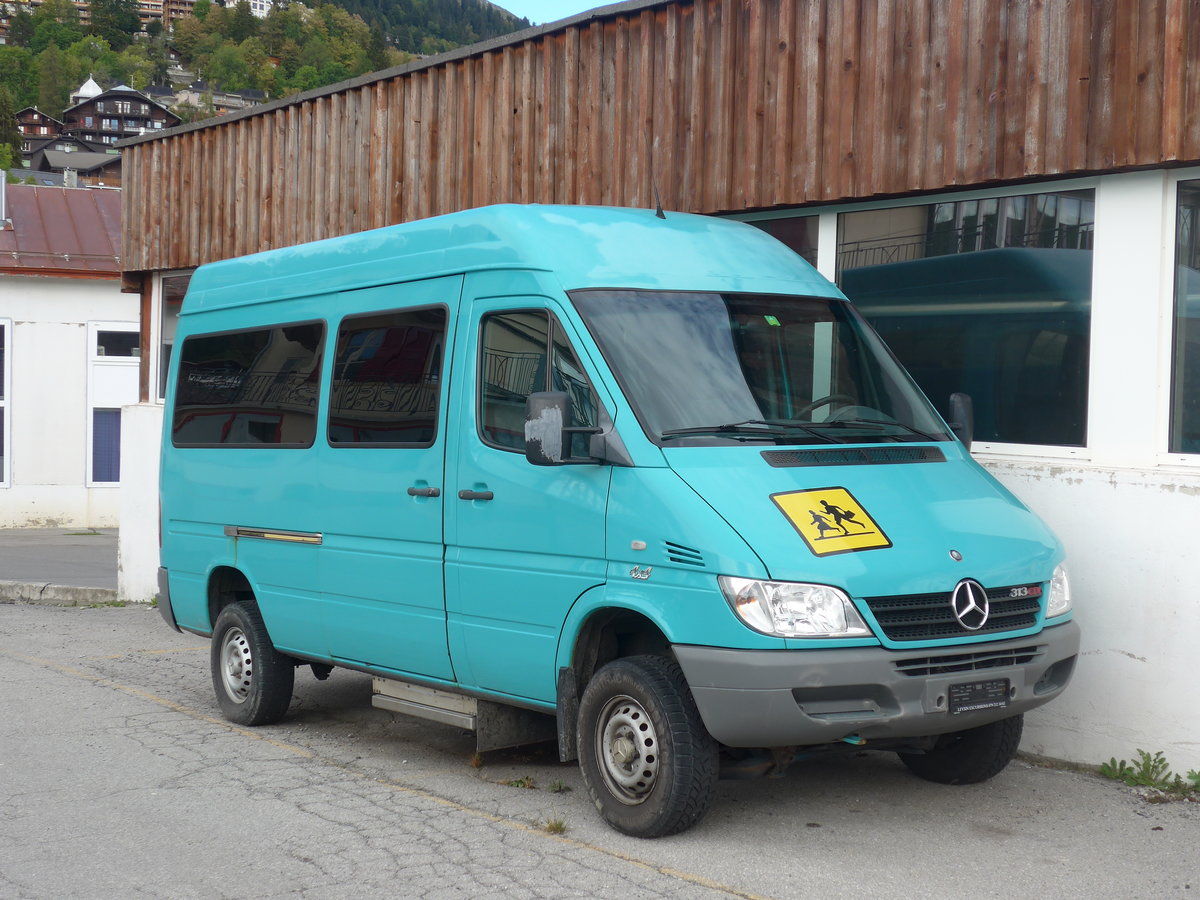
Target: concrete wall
53,374
1130,536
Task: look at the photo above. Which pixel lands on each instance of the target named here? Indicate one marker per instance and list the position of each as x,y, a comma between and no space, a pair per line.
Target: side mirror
962,418
547,438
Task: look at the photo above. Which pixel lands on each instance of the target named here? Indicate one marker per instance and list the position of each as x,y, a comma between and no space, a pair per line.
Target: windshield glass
704,368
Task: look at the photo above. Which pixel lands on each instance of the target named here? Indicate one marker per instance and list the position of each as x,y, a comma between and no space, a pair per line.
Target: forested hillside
297,47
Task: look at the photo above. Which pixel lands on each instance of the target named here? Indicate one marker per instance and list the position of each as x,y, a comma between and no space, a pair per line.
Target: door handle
424,492
475,495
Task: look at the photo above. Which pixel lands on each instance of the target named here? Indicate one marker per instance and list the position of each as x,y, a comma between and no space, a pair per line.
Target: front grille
929,617
944,664
852,456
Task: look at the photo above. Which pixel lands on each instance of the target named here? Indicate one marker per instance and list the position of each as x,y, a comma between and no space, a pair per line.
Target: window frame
334,336
554,326
1169,319
6,331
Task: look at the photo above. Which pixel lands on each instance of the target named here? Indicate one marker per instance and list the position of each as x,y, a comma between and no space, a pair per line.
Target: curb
55,594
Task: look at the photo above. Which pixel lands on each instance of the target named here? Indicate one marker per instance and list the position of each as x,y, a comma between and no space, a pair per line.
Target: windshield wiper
749,428
877,425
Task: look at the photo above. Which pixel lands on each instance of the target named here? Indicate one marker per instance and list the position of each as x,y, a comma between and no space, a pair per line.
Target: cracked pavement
118,778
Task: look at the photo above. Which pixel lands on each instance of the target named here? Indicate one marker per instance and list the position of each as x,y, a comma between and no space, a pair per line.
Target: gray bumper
164,600
783,698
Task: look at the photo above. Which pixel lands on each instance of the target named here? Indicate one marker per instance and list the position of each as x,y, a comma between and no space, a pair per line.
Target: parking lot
118,778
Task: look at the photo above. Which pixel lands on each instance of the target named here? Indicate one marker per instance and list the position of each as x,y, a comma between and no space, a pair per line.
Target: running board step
496,725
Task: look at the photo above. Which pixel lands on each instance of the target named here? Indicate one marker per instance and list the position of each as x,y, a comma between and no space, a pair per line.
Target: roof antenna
658,210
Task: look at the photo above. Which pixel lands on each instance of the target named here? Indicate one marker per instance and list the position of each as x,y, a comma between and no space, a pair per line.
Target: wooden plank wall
722,104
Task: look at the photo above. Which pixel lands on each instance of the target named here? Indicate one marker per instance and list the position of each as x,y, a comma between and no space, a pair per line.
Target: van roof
582,246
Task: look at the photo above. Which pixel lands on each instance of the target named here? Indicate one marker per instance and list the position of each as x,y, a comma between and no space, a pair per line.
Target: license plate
976,695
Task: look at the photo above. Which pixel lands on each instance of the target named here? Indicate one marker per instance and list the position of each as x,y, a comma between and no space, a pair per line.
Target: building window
798,232
106,446
173,287
1185,351
5,331
990,298
117,343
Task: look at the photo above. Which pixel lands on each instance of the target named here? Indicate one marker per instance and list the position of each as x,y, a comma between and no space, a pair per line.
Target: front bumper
784,698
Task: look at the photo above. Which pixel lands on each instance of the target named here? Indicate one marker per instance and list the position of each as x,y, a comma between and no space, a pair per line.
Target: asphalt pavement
119,778
58,566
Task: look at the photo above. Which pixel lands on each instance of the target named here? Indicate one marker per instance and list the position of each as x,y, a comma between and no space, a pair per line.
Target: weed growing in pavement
559,787
476,761
555,826
1152,771
525,781
107,604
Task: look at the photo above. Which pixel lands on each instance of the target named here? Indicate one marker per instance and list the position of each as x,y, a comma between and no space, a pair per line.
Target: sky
540,12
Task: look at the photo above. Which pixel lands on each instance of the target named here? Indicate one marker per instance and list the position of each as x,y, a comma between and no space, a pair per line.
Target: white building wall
47,406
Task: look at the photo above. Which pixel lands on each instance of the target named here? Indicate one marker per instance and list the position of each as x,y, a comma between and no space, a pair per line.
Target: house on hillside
34,125
106,117
68,356
1009,191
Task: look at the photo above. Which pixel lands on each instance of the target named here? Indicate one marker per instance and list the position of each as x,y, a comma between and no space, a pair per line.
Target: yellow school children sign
831,521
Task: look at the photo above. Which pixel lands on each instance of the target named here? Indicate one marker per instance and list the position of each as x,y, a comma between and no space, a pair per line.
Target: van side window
386,379
249,388
520,353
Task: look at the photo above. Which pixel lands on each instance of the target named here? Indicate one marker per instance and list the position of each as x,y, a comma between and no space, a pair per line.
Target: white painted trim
6,331
93,359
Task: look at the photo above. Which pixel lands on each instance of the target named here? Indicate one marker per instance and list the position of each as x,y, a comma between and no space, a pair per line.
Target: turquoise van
643,484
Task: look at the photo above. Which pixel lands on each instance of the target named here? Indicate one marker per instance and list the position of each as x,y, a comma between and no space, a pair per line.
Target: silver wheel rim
237,665
627,749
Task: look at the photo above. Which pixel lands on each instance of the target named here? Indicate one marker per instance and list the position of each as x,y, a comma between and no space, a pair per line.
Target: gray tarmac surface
118,778
52,565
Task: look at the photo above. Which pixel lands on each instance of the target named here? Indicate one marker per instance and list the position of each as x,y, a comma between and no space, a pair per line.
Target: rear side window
249,388
386,379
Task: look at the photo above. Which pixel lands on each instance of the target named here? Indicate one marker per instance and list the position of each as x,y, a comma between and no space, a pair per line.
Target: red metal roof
64,232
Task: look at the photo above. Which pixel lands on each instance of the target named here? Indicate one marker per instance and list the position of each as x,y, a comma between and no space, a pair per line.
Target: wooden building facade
724,105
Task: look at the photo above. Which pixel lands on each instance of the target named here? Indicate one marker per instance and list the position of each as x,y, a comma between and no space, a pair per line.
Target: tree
10,135
116,21
227,69
54,86
201,9
377,50
19,74
243,24
20,27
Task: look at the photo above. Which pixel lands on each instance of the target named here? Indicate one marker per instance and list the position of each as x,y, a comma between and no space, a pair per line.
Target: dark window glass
249,387
117,343
1185,381
990,298
524,352
106,445
798,232
386,378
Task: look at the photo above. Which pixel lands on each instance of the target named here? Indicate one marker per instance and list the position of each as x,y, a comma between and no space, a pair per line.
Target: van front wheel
253,681
970,756
649,763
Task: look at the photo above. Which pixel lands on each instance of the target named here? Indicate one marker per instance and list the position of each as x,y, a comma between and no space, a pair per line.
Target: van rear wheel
253,681
649,763
970,756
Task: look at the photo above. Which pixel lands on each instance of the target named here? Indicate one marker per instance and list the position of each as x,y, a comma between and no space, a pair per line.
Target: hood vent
677,553
852,456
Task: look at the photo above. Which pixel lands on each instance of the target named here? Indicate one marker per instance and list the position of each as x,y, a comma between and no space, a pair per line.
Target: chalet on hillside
1009,191
107,116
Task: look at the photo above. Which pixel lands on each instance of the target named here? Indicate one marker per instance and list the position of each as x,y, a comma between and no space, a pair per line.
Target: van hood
874,521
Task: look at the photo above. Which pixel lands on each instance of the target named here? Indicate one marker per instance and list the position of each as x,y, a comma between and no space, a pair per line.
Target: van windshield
705,368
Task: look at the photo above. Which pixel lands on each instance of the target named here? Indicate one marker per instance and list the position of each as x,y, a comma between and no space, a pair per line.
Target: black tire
971,756
252,680
662,782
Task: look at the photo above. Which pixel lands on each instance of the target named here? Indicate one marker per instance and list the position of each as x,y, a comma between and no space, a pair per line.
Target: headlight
1060,593
788,609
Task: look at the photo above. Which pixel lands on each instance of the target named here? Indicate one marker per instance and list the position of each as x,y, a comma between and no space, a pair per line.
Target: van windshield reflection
708,368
